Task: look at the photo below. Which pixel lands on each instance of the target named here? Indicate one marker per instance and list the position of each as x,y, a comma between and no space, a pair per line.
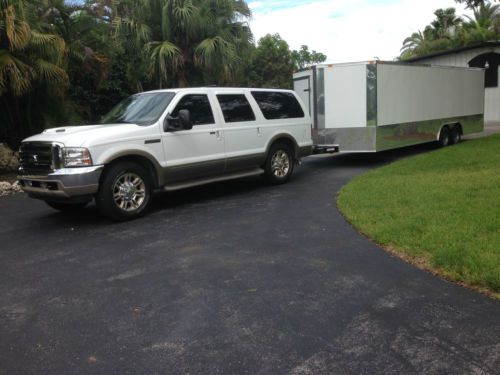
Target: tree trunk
181,78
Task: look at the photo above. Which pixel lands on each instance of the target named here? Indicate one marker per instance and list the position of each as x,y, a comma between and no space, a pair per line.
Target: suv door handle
217,134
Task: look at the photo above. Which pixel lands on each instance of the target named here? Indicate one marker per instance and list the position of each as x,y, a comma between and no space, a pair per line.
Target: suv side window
235,108
199,107
278,105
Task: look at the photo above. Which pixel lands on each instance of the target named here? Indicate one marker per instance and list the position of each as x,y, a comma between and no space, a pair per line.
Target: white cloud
356,30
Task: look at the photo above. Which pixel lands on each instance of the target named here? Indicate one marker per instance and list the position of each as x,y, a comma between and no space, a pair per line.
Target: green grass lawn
441,209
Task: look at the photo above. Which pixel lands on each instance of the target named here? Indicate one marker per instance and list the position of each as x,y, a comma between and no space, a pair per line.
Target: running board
183,185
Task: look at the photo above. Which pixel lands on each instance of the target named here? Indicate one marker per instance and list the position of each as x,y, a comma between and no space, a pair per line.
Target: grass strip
440,209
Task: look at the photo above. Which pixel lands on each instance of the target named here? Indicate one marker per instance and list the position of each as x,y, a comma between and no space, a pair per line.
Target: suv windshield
141,109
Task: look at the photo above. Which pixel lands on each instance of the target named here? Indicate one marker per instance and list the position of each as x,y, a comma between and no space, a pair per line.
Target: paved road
234,278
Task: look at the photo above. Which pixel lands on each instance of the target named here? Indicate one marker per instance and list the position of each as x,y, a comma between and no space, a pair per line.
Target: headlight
76,157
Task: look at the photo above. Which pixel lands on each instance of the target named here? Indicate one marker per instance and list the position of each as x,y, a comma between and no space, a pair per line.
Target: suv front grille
37,158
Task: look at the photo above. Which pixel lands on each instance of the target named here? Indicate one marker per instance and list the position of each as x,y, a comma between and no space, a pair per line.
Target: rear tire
67,207
444,137
124,192
456,135
279,164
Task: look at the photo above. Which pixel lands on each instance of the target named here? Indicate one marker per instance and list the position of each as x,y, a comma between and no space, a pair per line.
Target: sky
345,31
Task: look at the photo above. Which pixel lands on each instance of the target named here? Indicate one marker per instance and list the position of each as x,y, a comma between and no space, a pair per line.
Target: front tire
279,164
124,192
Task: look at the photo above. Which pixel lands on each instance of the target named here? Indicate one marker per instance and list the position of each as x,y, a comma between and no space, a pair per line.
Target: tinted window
198,106
235,108
278,105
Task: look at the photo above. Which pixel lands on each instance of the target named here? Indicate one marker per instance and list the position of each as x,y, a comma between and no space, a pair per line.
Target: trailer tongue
377,106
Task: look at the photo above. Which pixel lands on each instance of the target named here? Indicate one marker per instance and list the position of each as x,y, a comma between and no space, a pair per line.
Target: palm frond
48,46
14,74
165,57
50,73
131,29
17,31
215,48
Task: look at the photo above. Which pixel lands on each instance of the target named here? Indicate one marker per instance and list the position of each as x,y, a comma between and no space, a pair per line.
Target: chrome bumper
63,183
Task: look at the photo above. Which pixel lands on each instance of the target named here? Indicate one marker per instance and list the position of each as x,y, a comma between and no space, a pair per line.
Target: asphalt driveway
233,278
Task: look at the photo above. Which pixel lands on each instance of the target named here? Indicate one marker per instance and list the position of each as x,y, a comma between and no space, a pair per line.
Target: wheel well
459,126
286,141
141,160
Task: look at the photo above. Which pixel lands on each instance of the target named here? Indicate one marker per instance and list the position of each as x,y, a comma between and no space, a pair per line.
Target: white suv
166,139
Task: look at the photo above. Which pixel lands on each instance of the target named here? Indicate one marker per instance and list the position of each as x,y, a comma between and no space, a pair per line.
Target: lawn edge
421,263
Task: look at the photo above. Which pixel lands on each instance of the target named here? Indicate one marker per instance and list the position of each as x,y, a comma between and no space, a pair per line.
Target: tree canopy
71,61
472,3
448,31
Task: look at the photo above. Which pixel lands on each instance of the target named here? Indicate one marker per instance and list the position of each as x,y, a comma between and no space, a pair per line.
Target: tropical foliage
70,61
32,74
471,3
304,58
272,64
449,30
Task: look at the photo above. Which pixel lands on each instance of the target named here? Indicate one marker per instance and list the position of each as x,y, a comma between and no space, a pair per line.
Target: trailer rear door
302,85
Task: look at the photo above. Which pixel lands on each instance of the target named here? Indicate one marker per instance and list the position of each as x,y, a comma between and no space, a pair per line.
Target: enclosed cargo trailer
376,106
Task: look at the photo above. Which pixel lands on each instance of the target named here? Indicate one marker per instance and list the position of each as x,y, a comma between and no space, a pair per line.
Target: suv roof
219,89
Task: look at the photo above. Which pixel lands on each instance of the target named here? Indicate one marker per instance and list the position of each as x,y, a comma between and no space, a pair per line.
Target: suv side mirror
181,122
185,119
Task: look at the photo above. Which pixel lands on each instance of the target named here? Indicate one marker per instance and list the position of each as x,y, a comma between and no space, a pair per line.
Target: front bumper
66,183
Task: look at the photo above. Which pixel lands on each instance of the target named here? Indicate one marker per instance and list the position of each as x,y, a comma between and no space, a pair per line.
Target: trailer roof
374,62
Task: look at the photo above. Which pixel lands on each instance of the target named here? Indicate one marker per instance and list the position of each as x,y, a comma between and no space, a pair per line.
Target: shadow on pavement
242,187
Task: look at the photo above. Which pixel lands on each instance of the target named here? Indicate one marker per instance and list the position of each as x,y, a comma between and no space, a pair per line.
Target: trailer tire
279,164
456,135
444,137
124,192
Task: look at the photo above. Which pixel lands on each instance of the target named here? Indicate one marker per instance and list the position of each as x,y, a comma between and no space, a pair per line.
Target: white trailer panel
419,93
374,106
345,88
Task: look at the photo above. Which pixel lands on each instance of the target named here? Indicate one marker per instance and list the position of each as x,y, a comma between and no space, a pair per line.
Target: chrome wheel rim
129,192
280,164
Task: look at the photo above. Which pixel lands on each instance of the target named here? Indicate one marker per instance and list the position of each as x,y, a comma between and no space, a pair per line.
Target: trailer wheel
456,135
444,137
124,192
279,164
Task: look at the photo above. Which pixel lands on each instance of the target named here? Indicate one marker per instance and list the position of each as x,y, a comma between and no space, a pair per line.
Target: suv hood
76,136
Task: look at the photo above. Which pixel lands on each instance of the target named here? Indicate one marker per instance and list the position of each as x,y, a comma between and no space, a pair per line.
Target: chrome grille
38,157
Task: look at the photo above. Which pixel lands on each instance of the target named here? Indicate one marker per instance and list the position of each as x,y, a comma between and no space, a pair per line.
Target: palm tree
27,55
419,43
446,22
201,39
31,66
486,17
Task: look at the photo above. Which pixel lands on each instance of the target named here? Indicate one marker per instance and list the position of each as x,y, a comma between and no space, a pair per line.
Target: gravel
7,188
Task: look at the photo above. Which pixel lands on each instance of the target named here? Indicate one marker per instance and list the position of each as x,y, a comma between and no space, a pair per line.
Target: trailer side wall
414,102
418,93
368,107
